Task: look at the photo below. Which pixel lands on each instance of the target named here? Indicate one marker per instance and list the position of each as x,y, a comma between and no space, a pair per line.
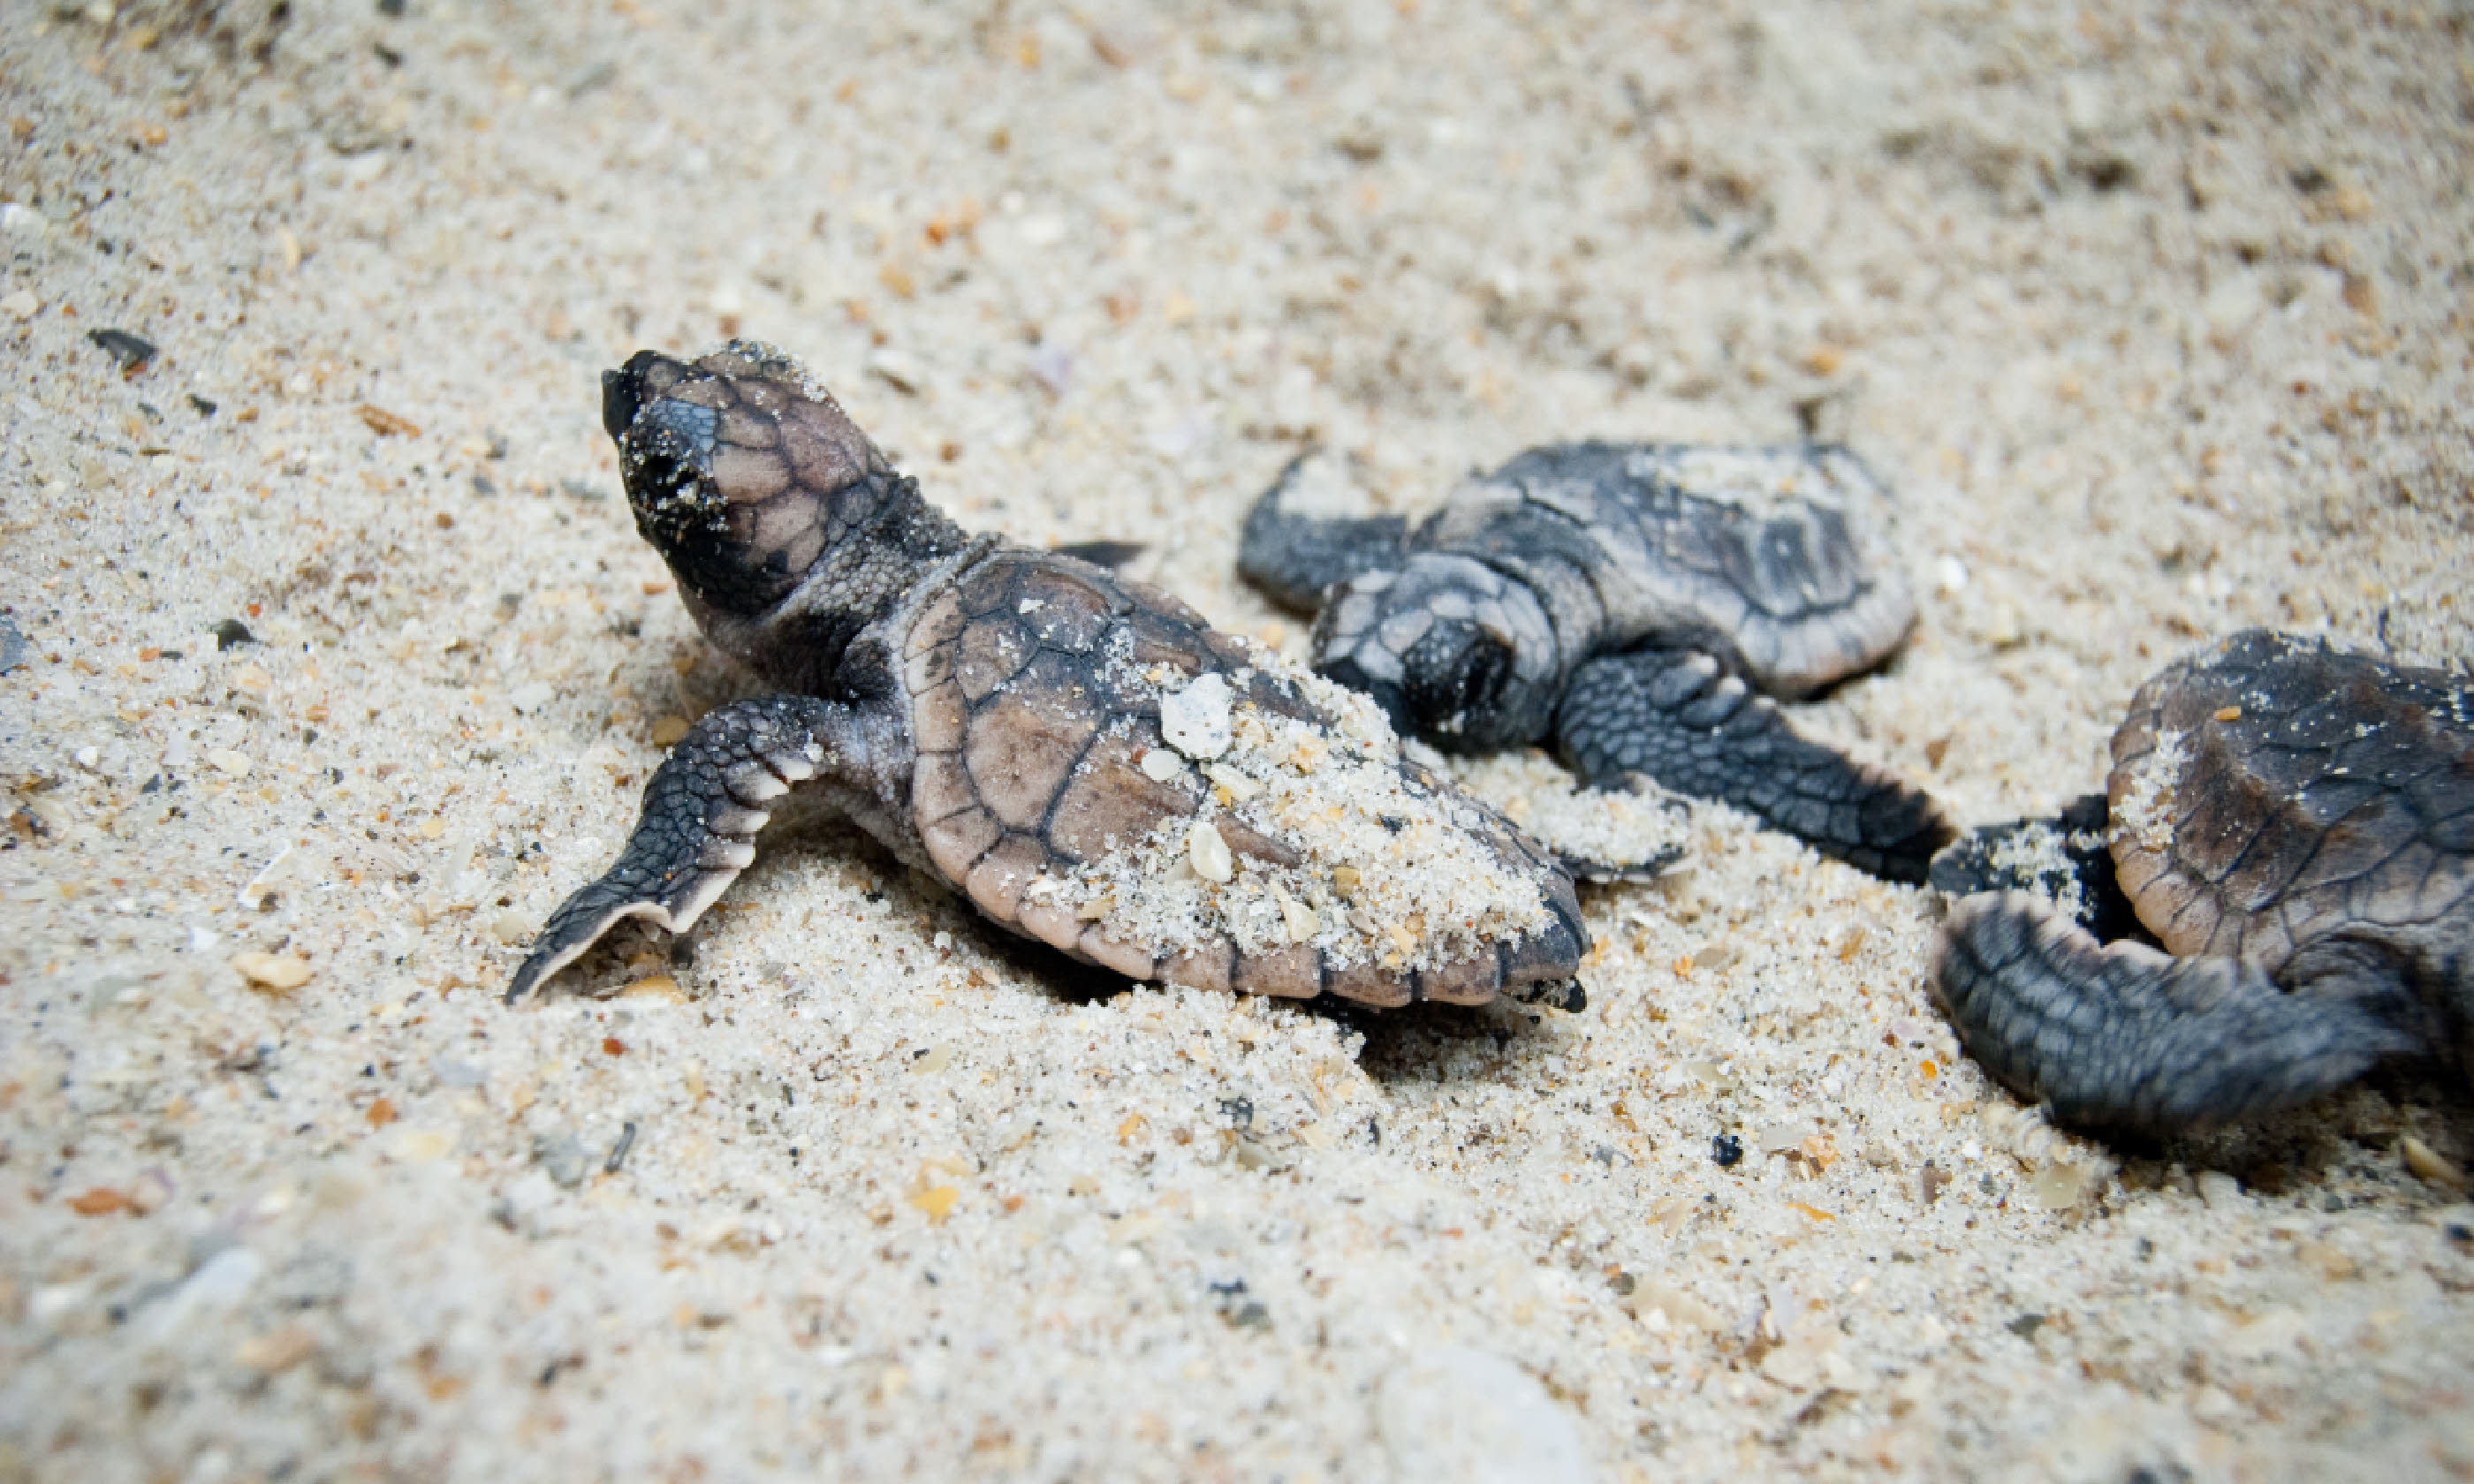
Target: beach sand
2156,319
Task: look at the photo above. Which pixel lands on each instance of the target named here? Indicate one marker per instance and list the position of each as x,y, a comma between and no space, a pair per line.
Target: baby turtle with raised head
2294,825
1636,604
1081,754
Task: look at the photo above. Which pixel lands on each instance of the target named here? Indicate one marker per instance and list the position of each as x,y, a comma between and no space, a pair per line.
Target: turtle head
741,471
1456,651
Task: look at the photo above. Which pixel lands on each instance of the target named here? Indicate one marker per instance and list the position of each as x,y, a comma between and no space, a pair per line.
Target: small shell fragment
276,971
1194,720
1240,788
2430,1163
1299,918
1208,853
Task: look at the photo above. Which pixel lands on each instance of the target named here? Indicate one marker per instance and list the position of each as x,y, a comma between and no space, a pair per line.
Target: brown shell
2296,791
1030,740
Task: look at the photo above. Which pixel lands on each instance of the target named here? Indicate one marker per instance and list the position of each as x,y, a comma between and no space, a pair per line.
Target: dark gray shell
2275,791
1773,558
2294,825
1639,606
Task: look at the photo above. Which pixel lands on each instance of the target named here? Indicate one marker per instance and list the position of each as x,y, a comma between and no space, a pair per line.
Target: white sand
2158,324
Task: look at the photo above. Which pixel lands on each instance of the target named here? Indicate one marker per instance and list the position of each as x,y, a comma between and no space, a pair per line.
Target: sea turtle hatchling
1081,754
1627,602
2296,823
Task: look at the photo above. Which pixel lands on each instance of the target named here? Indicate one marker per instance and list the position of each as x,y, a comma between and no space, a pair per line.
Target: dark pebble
206,408
1727,1150
129,351
232,633
13,648
618,1150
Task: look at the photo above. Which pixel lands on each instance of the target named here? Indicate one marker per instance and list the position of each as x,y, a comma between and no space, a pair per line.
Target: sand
2157,323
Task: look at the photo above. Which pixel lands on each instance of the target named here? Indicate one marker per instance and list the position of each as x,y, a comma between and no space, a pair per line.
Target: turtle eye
646,376
665,458
719,551
1455,676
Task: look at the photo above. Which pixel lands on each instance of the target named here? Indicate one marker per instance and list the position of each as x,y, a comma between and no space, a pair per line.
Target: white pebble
50,1301
2220,1190
1194,720
1240,787
1779,1137
238,764
1208,853
1160,765
216,1287
1456,1412
22,304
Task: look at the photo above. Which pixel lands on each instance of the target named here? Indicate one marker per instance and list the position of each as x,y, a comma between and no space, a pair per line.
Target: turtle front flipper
1679,719
698,826
2126,1038
1293,559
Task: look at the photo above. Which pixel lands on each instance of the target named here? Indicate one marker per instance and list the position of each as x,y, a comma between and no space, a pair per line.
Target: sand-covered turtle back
1080,754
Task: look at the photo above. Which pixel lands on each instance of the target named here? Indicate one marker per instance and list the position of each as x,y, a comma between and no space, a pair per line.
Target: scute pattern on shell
2294,823
1036,684
2303,788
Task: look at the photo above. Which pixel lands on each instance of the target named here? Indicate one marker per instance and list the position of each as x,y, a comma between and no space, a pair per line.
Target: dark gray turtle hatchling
2294,822
1081,754
1626,602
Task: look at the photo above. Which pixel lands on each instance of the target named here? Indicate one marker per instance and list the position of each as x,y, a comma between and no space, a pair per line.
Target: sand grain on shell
2142,817
1383,873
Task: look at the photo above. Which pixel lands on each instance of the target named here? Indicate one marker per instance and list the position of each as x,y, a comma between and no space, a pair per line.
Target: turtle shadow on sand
2338,1151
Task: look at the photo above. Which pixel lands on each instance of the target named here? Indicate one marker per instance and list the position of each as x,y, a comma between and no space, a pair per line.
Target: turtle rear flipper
1678,718
698,826
1296,557
2127,1038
